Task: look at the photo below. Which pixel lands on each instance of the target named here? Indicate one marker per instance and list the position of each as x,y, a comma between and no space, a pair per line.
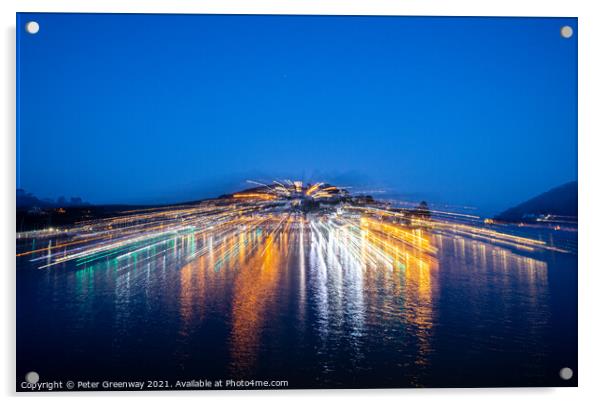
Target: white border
550,8
590,156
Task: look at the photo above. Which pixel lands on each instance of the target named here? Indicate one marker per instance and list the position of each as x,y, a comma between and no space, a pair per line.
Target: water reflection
253,293
352,296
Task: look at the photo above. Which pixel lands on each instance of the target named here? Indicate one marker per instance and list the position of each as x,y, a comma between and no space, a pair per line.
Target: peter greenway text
153,384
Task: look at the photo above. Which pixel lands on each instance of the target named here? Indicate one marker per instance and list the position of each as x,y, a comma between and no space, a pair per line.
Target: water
300,306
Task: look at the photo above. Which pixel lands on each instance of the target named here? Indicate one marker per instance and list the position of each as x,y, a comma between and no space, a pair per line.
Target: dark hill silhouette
561,200
28,200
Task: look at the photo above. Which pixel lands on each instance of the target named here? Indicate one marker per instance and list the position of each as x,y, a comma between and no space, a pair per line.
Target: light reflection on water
319,307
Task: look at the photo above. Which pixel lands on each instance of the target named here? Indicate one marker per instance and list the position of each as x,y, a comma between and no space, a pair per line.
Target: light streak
367,234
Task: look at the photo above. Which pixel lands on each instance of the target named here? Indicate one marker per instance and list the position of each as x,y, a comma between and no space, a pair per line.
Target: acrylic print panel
281,202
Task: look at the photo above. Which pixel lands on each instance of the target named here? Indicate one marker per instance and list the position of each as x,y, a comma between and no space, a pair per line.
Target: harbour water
303,306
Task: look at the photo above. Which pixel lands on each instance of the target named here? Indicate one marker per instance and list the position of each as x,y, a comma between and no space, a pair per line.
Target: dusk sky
168,108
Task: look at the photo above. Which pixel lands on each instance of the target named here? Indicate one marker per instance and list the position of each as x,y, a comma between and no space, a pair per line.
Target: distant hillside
561,201
28,200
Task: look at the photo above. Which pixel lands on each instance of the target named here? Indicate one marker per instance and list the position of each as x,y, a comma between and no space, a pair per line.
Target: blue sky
166,108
